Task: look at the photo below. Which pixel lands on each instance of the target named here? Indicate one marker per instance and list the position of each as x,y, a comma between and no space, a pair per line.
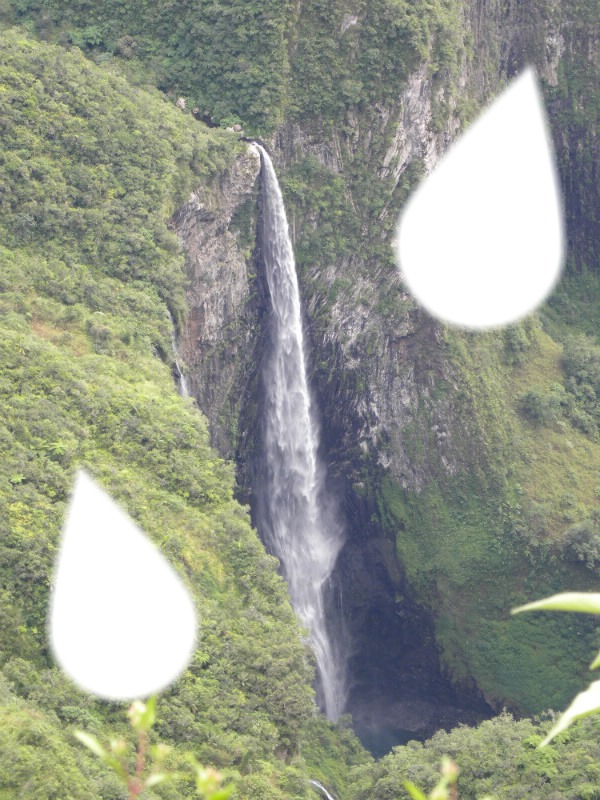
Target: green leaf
222,794
117,765
142,715
596,662
414,791
92,744
583,705
149,716
155,779
586,602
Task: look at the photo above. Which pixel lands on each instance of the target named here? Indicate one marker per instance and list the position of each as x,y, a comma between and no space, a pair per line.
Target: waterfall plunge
295,516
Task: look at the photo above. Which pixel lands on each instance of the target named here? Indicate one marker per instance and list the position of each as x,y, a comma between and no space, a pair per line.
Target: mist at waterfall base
295,516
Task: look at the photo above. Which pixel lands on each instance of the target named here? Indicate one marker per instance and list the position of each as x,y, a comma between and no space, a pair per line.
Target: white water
183,387
322,789
296,517
181,381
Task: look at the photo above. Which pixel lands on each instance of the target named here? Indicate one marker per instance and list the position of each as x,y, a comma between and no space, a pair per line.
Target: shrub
581,361
583,541
519,339
543,408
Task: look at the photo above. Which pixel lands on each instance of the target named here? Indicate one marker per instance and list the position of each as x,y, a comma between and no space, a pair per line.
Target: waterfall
322,789
295,515
182,386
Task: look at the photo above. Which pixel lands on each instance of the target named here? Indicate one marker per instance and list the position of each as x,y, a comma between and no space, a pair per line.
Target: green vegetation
145,766
463,560
517,518
445,788
320,199
500,758
524,774
85,380
338,64
330,751
255,62
577,396
35,754
581,364
91,171
229,59
574,306
91,168
587,702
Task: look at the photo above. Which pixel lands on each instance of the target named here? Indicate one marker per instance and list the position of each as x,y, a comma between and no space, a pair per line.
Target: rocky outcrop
373,369
387,384
216,230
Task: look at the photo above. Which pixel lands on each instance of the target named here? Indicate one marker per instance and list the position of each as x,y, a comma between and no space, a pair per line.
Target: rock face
220,326
382,359
396,359
400,396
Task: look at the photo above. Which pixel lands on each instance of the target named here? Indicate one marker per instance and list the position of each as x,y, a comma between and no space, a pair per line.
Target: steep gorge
421,434
467,466
458,504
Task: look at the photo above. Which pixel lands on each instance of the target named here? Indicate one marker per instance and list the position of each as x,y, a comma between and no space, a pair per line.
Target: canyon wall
420,422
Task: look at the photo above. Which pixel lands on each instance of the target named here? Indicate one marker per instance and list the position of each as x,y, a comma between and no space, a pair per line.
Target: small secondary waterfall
179,376
322,789
296,517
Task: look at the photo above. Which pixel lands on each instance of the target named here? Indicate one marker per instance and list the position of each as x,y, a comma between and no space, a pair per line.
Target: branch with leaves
148,768
445,789
587,702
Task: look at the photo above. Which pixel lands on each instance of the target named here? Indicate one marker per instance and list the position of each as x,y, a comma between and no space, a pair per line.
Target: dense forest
467,465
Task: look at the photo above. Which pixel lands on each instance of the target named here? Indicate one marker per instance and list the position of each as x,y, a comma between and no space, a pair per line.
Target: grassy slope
477,543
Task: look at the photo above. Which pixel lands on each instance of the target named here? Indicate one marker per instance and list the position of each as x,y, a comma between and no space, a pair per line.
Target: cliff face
215,231
388,355
420,429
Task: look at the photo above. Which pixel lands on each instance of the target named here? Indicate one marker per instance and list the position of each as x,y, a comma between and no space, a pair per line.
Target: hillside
467,465
91,171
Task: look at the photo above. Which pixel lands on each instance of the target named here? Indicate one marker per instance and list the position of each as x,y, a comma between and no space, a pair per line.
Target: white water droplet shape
122,625
480,243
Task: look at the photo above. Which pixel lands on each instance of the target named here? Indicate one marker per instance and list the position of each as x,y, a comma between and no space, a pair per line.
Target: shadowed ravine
296,517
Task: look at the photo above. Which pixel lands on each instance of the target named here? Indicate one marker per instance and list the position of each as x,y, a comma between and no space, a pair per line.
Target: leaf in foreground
584,602
414,791
585,703
92,744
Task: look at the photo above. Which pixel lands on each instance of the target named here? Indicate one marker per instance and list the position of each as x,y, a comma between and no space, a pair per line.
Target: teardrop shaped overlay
121,625
481,241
